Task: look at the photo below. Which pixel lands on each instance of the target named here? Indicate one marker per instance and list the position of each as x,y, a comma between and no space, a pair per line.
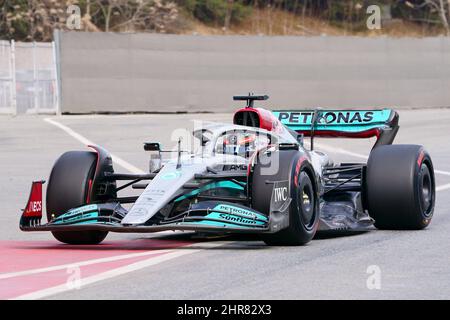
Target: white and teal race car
252,176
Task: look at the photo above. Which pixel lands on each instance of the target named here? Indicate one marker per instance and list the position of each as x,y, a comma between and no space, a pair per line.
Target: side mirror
152,146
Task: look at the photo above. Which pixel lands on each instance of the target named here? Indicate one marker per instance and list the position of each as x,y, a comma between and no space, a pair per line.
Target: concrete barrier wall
106,72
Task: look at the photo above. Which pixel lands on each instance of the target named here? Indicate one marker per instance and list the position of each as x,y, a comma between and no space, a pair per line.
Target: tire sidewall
68,188
425,159
296,220
393,187
292,163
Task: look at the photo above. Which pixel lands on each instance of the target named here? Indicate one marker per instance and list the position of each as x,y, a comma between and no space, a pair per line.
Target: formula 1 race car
253,176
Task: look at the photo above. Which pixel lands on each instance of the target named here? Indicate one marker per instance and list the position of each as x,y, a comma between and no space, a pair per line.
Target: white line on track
81,263
117,160
443,187
176,253
340,150
328,148
445,173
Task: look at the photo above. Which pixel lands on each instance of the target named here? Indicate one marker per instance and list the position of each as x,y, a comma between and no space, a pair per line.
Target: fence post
57,60
13,77
35,80
56,81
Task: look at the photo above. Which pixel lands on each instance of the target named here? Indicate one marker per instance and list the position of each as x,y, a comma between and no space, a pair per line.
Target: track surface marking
60,281
26,266
117,160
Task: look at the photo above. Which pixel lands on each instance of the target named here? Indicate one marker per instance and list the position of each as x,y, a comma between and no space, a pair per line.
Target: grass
277,22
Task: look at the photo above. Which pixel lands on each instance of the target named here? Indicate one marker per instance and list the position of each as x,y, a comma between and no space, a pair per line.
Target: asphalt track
411,265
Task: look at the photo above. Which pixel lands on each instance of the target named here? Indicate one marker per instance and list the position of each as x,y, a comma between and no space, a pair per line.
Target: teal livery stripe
213,185
351,121
233,216
75,215
237,214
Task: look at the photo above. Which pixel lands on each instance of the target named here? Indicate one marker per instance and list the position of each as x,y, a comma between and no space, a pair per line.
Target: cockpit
242,142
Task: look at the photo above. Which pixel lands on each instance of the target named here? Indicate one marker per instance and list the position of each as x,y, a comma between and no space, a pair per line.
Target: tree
35,20
32,19
132,15
230,4
439,7
443,10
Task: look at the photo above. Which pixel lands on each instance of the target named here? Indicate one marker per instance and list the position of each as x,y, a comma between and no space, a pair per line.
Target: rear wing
382,124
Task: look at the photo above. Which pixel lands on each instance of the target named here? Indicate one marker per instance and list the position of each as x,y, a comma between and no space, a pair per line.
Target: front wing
210,216
205,216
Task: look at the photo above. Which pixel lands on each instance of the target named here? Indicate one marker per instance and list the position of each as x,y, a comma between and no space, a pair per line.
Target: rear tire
303,210
400,187
68,188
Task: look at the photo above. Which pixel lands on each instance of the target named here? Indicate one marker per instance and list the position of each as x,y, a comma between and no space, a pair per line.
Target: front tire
68,188
304,208
400,187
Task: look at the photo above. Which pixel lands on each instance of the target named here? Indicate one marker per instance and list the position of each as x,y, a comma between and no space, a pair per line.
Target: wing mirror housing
152,146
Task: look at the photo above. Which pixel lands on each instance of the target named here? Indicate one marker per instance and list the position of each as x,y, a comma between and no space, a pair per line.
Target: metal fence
7,91
28,78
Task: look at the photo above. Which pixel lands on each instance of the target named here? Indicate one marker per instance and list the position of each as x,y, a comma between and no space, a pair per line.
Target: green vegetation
216,12
35,20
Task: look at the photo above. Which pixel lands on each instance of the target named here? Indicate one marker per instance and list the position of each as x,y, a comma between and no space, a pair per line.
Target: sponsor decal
233,209
139,211
351,121
235,167
236,214
280,194
33,207
330,117
171,175
154,192
228,217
